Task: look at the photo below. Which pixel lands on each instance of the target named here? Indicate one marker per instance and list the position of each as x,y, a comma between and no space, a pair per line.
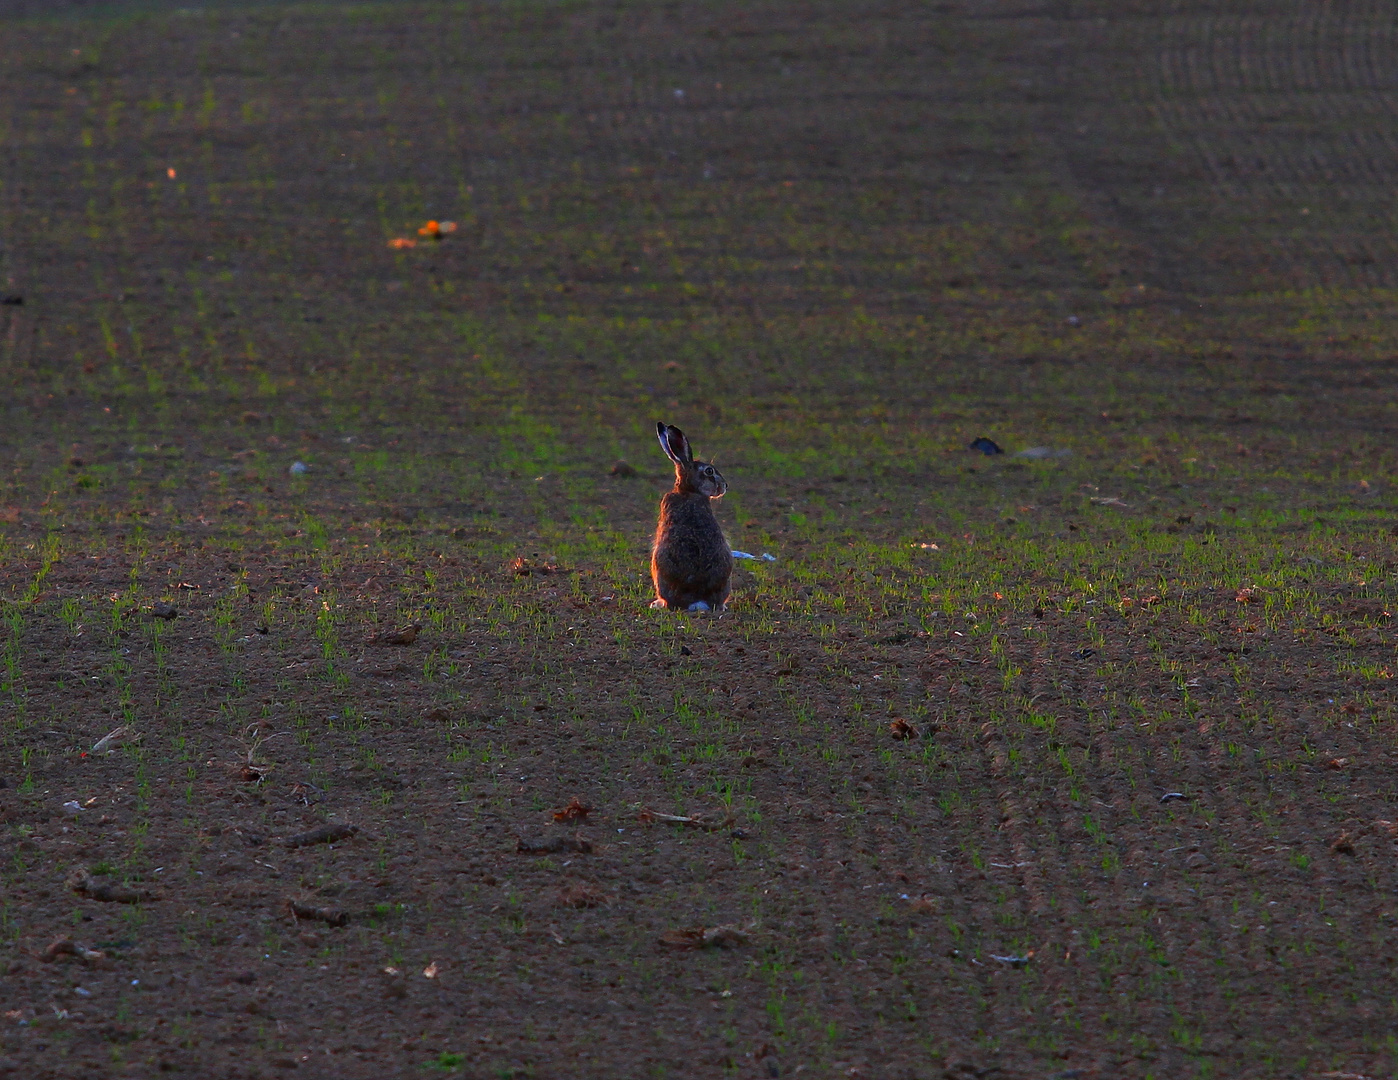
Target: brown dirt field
1070,763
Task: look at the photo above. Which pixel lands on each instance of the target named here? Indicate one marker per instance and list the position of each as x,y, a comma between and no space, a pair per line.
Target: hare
691,563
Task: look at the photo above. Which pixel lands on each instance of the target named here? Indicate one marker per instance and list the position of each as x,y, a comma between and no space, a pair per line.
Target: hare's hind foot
695,607
699,607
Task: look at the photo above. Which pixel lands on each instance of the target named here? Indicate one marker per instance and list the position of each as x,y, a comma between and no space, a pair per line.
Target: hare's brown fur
690,560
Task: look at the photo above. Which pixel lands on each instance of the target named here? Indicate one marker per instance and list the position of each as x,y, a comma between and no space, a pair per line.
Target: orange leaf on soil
399,242
576,810
437,229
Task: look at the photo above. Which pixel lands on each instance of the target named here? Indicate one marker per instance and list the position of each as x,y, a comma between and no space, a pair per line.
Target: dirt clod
729,936
394,982
403,635
330,833
66,946
329,916
553,845
581,895
84,884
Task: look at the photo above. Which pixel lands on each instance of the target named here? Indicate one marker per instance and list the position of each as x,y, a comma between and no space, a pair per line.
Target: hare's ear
674,443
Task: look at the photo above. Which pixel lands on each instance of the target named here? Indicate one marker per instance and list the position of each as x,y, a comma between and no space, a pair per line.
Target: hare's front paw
657,604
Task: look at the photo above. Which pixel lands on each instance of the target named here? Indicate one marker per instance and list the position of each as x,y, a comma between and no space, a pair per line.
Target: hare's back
689,532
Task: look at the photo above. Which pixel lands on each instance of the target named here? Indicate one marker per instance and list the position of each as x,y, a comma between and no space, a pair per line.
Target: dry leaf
901,729
576,810
522,567
699,937
553,845
114,738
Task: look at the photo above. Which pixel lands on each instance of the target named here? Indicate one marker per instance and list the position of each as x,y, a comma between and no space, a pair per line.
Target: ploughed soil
336,736
1027,879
